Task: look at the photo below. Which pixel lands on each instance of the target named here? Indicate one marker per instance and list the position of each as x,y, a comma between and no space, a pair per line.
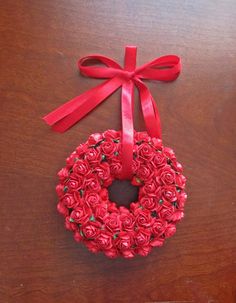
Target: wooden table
40,44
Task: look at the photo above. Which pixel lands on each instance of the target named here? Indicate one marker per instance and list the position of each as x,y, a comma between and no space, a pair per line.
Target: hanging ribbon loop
166,68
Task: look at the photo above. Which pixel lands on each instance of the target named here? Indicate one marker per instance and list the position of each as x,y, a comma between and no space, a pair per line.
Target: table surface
40,44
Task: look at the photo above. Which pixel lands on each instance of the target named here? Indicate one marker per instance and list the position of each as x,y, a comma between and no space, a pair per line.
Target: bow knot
129,75
166,68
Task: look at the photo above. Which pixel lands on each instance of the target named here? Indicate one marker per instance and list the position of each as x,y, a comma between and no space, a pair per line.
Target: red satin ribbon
166,68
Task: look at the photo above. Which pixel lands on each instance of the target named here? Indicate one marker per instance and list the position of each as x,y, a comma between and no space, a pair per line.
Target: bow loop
165,68
91,66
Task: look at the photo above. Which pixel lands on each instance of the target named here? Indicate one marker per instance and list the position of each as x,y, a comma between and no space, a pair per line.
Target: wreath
101,224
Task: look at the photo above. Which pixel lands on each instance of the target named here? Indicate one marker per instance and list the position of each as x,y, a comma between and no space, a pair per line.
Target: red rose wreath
139,156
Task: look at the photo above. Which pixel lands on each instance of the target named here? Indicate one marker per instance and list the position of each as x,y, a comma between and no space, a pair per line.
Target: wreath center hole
123,192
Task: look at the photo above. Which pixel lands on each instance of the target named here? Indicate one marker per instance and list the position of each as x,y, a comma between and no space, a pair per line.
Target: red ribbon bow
166,68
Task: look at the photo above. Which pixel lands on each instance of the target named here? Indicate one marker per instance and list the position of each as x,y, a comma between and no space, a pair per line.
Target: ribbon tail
149,110
127,129
74,110
127,104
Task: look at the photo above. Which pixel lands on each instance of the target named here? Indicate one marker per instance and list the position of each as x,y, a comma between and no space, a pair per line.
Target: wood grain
40,44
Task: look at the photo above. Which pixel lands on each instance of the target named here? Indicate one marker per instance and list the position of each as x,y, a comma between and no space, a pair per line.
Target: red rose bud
169,193
93,156
91,230
145,173
81,167
101,212
149,188
182,197
92,184
141,136
159,160
111,253
169,153
70,225
159,227
170,230
180,181
167,175
94,139
136,181
80,150
167,211
78,236
69,201
116,169
127,221
149,203
92,246
60,189
62,209
104,241
103,171
157,143
104,194
80,215
177,166
128,254
145,151
92,199
144,250
123,242
108,148
142,237
157,242
144,218
112,223
111,134
76,183
72,159
63,174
